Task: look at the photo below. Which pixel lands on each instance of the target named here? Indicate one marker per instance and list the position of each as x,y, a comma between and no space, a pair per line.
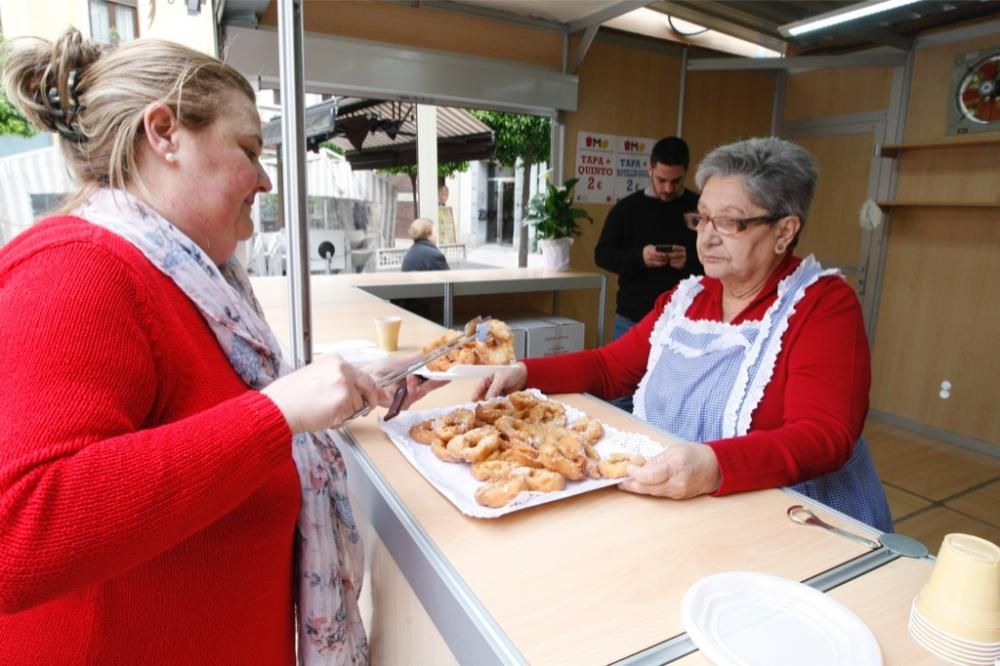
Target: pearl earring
170,157
779,248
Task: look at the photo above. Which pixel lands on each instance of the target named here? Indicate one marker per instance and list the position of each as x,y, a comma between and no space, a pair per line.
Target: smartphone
668,248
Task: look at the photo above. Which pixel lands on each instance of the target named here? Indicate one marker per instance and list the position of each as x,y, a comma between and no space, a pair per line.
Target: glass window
113,21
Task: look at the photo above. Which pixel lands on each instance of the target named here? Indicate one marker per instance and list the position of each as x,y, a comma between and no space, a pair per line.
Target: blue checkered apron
704,379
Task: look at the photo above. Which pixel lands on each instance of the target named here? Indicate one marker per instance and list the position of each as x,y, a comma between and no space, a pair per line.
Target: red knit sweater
147,497
813,410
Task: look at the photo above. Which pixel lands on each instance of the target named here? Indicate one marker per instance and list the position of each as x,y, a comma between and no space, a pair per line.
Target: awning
376,134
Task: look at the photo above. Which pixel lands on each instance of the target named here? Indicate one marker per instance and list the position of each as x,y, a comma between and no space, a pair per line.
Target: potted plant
556,223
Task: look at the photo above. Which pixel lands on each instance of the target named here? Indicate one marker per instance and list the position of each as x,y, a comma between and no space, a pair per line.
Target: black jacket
423,255
634,222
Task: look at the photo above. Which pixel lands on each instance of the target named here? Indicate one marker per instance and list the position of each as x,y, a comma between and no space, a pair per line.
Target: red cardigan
148,497
812,411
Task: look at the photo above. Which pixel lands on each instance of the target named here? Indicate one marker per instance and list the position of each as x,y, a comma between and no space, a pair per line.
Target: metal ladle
897,543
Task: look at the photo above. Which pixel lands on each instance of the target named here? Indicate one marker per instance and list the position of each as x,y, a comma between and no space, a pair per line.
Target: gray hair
778,175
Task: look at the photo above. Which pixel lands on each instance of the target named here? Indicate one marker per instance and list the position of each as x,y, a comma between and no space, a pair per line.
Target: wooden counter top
587,580
597,577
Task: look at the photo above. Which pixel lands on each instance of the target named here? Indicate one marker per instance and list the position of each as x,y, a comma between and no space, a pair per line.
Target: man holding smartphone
645,241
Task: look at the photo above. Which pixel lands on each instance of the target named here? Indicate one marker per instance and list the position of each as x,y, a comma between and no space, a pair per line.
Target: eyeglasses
727,226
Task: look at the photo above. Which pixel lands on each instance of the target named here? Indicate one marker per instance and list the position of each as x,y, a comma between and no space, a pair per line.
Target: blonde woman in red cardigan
159,462
760,368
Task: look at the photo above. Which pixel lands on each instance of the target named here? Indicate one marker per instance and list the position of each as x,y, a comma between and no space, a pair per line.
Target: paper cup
962,595
388,332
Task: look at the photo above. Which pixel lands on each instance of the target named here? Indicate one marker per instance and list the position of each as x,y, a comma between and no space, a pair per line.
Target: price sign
595,167
631,164
610,166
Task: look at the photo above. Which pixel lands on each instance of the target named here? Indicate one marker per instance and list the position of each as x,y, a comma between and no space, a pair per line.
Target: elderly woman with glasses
760,368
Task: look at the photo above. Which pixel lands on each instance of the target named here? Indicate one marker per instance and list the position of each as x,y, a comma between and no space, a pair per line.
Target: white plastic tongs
477,329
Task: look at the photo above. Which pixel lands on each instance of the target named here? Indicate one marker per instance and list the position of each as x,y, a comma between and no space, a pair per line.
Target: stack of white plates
948,646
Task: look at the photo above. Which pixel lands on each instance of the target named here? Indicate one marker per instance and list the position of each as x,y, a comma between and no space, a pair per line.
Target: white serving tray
455,480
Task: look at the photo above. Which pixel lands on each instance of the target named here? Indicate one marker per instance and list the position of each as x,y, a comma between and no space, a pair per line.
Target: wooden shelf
939,204
894,149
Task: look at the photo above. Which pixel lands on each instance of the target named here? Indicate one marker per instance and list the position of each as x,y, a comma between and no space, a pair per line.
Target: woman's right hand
512,378
323,394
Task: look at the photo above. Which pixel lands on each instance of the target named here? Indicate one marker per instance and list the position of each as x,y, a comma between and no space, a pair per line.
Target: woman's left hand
678,472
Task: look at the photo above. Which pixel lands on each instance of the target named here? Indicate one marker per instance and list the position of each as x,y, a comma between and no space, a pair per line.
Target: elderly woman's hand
324,394
512,378
678,472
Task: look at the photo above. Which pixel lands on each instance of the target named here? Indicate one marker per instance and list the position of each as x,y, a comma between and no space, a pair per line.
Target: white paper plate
743,618
460,372
456,483
357,351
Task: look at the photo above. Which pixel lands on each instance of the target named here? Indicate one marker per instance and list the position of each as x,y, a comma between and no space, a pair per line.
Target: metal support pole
601,310
448,305
557,143
681,92
293,181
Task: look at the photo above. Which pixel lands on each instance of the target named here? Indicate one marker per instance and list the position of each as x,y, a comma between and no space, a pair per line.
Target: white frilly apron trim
755,392
736,419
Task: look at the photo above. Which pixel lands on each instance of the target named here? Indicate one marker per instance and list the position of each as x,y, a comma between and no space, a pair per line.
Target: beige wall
622,91
722,107
939,317
425,28
836,91
172,22
50,18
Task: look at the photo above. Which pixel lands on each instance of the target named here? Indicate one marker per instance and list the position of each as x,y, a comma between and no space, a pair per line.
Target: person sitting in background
423,255
158,458
760,369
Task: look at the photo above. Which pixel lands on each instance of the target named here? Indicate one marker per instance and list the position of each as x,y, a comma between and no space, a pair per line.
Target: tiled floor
935,488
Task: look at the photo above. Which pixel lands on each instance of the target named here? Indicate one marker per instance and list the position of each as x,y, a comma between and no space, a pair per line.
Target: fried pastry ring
440,449
544,480
475,445
516,432
496,495
616,465
423,432
523,400
590,429
489,412
546,412
552,458
493,470
453,424
525,456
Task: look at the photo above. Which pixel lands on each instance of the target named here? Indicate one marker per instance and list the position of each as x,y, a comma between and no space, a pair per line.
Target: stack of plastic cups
956,616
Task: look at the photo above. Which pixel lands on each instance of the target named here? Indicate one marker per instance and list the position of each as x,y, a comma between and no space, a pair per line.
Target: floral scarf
330,556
